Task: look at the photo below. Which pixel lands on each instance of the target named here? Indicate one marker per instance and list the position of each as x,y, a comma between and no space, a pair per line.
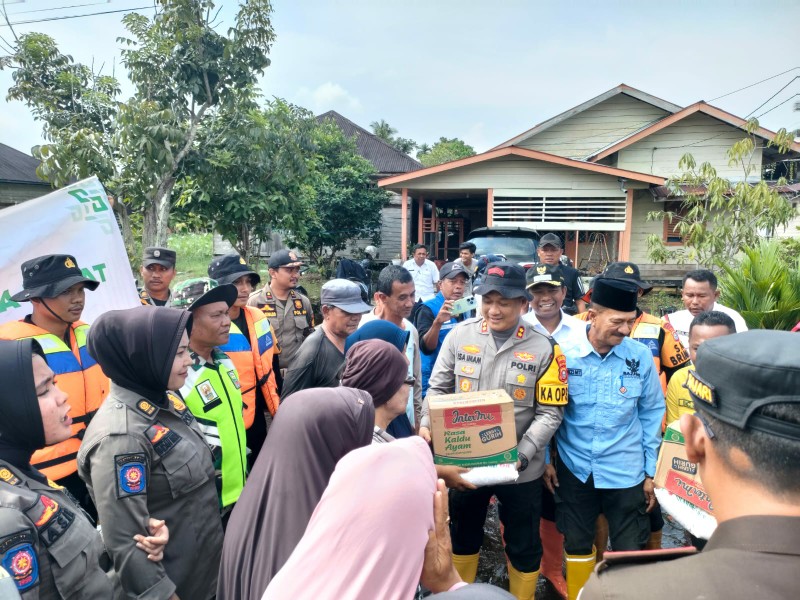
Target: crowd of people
216,442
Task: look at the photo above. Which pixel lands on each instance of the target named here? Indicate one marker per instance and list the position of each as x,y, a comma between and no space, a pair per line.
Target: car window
504,245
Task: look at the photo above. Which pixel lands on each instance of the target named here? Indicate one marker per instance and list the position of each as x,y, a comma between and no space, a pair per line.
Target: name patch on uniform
522,366
7,476
22,564
700,390
131,474
145,407
460,356
55,524
575,372
162,438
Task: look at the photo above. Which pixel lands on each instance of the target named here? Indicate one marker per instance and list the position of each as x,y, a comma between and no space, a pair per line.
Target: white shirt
569,333
425,278
682,319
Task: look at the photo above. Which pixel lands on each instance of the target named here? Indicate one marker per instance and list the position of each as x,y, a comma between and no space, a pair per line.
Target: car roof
507,231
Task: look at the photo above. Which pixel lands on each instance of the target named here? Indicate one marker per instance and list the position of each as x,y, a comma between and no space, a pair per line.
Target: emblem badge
465,385
468,369
50,508
623,389
525,356
541,270
146,407
7,476
471,349
629,270
69,263
521,379
241,261
156,253
496,271
22,565
519,394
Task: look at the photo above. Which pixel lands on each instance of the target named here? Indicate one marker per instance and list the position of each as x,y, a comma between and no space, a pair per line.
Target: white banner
76,220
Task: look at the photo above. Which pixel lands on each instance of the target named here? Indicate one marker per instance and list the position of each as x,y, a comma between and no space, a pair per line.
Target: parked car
516,244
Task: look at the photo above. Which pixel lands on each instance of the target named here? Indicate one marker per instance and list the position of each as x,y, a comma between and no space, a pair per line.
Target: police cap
159,256
738,374
47,276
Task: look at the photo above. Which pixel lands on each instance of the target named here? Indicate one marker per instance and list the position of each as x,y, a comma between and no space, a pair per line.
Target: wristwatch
523,461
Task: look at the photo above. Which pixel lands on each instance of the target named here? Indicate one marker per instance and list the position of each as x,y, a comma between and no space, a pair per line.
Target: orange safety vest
77,374
253,361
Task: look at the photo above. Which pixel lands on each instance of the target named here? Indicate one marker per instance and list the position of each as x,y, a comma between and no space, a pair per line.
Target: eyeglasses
706,424
410,380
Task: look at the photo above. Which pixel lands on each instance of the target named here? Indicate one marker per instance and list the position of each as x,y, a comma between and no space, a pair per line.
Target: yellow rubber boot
467,566
552,556
601,536
579,568
522,585
654,541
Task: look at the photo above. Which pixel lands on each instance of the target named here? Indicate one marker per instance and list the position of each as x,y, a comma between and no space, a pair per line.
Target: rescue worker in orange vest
56,287
251,347
669,356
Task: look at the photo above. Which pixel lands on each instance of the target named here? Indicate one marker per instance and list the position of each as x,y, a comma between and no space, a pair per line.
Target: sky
480,71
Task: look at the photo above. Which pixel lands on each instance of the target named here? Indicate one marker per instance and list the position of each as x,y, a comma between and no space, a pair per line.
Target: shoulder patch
181,408
144,407
131,474
22,563
162,438
51,519
9,477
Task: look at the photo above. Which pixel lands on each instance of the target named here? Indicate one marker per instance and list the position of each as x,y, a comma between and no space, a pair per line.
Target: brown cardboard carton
676,474
473,429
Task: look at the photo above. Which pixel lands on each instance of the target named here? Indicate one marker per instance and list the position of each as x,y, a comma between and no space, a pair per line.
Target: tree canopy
387,133
445,150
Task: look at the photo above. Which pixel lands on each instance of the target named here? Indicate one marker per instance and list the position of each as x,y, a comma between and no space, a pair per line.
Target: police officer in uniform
289,312
158,271
212,390
251,347
56,288
549,251
48,545
745,439
144,456
501,351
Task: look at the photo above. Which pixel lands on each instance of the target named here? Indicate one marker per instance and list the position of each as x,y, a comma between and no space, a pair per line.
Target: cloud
328,96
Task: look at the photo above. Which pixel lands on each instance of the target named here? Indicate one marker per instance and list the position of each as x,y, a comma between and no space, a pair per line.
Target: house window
672,236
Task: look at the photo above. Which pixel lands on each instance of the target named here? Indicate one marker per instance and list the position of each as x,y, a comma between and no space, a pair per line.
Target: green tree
387,133
718,218
249,174
345,202
445,150
182,71
764,287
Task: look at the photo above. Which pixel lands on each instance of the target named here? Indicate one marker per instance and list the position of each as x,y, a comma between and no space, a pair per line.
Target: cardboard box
474,429
676,474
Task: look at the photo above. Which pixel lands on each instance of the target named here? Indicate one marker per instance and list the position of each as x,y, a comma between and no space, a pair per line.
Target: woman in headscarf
313,429
48,544
384,519
381,370
144,455
400,426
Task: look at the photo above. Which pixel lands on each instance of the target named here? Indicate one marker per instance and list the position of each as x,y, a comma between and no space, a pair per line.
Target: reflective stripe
63,362
236,342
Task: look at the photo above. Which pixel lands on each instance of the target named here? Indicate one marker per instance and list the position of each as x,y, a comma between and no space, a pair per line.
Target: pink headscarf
367,536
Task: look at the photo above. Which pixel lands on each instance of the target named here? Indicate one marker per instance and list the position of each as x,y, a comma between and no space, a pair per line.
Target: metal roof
18,167
386,159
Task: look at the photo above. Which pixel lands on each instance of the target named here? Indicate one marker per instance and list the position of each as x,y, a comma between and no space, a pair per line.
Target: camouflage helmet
190,290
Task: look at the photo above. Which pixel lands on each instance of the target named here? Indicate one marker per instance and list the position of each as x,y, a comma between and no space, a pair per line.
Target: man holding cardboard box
745,439
608,442
500,353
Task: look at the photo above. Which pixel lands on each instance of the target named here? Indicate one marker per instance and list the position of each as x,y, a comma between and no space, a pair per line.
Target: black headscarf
312,430
136,347
21,428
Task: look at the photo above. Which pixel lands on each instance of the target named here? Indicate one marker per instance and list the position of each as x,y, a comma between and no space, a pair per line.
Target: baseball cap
344,294
737,374
506,278
551,239
284,258
548,274
230,267
194,293
159,256
47,276
628,271
451,269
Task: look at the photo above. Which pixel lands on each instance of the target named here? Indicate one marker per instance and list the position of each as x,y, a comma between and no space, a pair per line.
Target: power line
105,12
778,105
754,84
773,95
38,10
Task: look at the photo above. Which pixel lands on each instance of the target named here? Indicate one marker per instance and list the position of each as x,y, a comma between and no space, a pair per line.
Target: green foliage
182,71
445,150
194,251
345,202
764,287
719,218
247,176
387,133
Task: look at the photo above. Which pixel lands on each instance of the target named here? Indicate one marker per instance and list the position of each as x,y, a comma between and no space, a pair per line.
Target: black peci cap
616,294
737,374
47,276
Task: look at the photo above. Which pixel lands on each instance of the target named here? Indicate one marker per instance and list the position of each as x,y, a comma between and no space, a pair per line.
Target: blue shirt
612,424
